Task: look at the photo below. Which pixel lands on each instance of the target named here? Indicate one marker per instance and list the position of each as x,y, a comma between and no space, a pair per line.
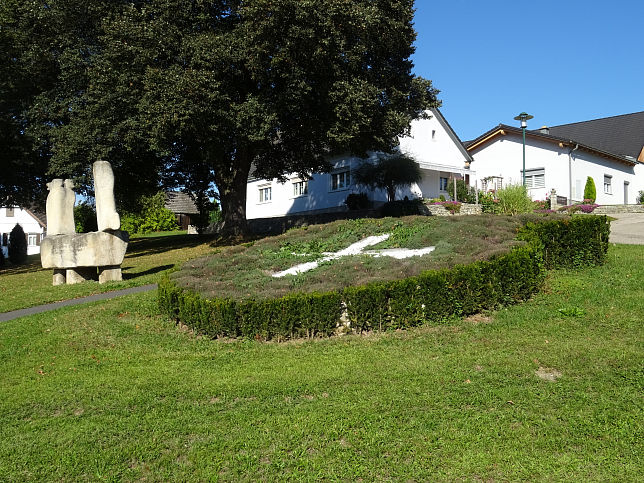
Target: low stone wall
466,209
616,209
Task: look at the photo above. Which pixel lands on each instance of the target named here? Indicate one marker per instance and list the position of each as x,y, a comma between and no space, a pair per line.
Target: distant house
431,142
610,150
33,225
182,205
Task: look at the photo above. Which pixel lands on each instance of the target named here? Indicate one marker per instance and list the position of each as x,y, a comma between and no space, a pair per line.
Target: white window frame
340,180
535,178
300,188
30,237
263,191
608,184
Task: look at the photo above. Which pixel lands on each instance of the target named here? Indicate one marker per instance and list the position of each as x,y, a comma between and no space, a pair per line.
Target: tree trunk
232,195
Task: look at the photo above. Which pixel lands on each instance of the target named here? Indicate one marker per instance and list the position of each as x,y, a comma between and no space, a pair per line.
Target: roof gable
178,202
621,135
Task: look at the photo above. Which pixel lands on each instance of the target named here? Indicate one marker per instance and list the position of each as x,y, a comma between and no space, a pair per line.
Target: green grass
146,259
113,391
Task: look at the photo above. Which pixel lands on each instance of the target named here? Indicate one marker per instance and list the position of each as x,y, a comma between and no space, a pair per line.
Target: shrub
432,296
1,257
452,206
17,245
85,218
403,208
590,192
513,200
640,198
151,216
489,204
464,192
357,201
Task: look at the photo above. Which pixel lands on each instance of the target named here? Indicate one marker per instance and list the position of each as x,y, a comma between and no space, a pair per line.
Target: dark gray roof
622,135
178,202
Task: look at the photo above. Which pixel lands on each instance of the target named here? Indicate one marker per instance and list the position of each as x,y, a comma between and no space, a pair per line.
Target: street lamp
523,117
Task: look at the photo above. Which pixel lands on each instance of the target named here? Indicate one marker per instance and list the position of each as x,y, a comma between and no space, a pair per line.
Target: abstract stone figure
87,256
60,207
106,215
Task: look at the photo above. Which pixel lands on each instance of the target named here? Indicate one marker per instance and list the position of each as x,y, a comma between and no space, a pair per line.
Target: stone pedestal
109,274
79,257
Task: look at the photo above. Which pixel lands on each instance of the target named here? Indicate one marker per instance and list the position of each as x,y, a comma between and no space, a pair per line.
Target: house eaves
504,129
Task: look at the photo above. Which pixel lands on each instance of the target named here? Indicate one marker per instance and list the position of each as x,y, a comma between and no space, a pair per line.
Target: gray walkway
68,303
627,228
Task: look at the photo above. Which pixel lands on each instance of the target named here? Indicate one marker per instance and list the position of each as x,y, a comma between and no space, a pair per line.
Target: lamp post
523,117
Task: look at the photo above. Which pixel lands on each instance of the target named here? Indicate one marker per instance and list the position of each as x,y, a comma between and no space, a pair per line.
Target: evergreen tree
17,245
590,193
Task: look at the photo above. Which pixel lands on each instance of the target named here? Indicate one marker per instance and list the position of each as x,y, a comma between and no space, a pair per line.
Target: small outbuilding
183,207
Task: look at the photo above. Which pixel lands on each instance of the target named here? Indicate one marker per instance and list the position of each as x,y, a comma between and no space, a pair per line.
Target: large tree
202,90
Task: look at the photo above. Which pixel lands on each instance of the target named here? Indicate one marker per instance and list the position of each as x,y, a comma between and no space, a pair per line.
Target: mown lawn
146,259
113,391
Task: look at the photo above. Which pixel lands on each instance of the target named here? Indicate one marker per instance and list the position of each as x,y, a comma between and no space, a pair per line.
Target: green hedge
430,297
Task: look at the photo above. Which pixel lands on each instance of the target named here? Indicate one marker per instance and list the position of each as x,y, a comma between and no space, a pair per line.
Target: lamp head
523,117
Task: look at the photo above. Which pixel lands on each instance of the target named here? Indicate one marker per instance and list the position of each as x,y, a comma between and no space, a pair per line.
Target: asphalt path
68,303
627,228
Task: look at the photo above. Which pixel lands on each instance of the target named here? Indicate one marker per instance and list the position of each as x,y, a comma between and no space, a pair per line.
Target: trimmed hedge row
430,297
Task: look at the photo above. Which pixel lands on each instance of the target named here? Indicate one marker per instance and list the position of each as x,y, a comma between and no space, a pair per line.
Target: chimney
544,130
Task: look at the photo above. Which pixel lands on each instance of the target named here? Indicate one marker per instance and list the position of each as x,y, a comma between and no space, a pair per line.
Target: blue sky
562,62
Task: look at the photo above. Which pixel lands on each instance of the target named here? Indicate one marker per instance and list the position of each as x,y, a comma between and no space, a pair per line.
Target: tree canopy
188,92
389,173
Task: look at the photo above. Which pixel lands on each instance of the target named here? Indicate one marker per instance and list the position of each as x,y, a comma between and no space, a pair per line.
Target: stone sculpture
79,257
60,207
106,215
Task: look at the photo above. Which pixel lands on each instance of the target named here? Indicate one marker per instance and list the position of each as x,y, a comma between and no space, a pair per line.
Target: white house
610,150
32,224
431,142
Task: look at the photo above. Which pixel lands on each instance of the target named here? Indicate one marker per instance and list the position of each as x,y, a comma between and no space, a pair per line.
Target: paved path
68,303
627,228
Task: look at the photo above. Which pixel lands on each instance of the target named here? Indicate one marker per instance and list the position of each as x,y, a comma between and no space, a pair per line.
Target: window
300,188
5,239
340,180
443,184
32,239
265,194
535,178
433,134
9,212
608,187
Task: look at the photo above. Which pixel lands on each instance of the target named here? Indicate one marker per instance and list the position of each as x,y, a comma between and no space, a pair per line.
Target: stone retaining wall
466,209
616,209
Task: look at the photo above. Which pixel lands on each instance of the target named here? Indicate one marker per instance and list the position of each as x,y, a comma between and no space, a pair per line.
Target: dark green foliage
590,192
295,315
151,216
85,218
1,258
403,208
389,173
17,245
464,192
357,201
574,242
640,198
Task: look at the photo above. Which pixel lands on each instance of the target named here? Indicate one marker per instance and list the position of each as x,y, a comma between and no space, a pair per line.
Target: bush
590,192
85,218
640,198
464,192
357,201
151,216
432,296
17,245
489,204
403,208
389,173
513,200
1,257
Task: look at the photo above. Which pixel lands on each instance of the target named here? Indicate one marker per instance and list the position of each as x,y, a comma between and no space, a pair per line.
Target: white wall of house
503,156
430,142
8,219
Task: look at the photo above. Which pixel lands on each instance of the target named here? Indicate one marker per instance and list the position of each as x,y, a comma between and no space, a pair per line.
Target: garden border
430,297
